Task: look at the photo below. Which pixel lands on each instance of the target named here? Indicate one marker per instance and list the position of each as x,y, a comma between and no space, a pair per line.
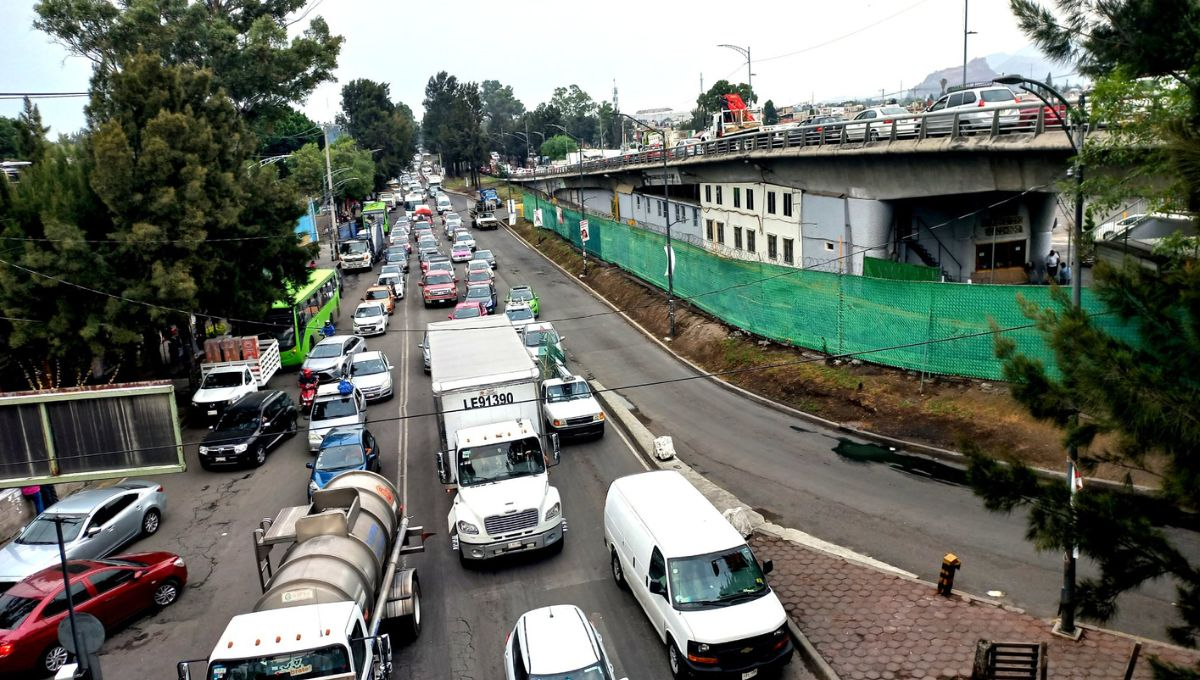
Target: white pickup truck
224,382
570,408
485,220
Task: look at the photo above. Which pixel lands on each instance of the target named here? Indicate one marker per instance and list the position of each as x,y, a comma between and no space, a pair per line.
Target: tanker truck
322,606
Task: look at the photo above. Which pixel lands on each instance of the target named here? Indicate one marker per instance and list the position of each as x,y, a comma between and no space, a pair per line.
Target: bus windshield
282,326
311,663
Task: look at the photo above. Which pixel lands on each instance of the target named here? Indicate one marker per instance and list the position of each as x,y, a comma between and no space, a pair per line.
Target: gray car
95,523
328,357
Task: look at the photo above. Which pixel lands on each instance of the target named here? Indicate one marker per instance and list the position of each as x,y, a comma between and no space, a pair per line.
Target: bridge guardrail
1031,118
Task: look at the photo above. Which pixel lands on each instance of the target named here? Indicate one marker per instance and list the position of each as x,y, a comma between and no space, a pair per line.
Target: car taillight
887,121
6,648
981,103
159,489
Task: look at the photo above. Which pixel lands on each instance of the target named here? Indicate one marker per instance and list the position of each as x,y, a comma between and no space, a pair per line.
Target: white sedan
370,318
876,123
371,373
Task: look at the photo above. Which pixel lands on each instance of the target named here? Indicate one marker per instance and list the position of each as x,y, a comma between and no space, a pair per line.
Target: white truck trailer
494,447
322,608
224,382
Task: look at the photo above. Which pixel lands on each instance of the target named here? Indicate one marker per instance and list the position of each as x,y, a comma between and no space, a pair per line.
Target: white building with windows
753,221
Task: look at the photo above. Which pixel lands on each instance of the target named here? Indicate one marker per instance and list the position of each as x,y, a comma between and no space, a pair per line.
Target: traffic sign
583,230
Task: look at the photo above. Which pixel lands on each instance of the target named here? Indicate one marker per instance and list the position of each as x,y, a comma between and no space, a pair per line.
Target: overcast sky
656,56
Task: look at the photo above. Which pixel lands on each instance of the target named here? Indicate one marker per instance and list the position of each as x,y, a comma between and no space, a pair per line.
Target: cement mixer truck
322,606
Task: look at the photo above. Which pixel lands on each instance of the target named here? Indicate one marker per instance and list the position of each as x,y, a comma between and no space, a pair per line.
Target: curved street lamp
745,52
1066,605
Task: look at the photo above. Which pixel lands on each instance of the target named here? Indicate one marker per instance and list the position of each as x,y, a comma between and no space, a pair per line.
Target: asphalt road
467,613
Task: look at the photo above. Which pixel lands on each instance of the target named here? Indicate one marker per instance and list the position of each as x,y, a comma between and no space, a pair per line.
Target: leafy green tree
244,43
31,134
501,108
709,102
608,125
770,115
466,141
578,111
440,92
558,146
375,122
10,145
353,170
286,133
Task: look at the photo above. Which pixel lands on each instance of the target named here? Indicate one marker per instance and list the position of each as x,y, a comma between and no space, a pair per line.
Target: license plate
219,459
514,545
749,674
212,413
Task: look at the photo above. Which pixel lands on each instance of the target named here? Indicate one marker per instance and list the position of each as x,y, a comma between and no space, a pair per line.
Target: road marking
629,445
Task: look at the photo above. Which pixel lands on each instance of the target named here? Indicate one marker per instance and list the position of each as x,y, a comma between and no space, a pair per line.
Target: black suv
248,429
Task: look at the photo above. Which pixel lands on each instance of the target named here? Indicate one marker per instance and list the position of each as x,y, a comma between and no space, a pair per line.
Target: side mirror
555,455
137,575
562,338
92,531
442,470
309,465
421,284
656,588
183,671
767,567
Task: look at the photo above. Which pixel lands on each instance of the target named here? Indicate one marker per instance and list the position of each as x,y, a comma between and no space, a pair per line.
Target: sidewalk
869,625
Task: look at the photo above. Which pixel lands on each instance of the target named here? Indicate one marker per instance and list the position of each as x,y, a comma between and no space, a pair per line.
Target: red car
113,590
468,310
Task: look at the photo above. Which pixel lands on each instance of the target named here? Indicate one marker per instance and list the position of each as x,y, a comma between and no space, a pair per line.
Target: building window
749,199
737,197
680,215
708,193
770,202
829,246
708,229
772,246
737,233
750,240
639,202
720,226
695,217
787,205
789,251
719,195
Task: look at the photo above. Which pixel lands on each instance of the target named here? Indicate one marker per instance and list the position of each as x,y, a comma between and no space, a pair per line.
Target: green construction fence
927,326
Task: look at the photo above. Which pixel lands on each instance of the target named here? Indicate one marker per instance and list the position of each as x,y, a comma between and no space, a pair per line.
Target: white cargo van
695,577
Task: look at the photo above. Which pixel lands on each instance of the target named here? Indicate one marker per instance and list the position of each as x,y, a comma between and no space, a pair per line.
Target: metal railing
1023,118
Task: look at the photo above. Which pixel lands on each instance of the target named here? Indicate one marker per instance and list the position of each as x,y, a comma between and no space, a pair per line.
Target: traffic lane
209,521
790,471
469,612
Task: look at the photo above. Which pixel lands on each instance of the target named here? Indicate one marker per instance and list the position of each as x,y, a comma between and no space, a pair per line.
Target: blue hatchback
343,449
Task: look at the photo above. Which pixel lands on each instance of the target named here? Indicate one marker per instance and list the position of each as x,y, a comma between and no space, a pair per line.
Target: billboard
77,434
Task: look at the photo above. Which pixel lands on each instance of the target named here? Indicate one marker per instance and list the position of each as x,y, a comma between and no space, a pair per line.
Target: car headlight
240,448
203,449
702,647
554,511
312,487
599,417
556,422
465,527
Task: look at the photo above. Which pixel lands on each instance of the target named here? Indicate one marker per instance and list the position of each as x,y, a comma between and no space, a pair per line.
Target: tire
292,428
679,669
54,658
205,465
260,456
166,593
151,521
410,627
873,137
618,572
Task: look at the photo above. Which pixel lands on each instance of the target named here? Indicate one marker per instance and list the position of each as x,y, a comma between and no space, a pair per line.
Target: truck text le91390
487,400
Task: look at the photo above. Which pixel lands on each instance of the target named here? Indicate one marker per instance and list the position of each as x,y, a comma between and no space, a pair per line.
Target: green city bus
296,322
376,210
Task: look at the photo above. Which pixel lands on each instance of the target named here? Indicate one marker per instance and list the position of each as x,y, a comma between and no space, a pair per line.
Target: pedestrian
34,495
1052,262
49,495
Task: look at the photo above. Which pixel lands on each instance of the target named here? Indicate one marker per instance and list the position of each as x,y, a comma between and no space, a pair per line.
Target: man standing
1052,262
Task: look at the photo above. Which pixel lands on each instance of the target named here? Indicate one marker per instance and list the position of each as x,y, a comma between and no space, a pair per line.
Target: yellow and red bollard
950,565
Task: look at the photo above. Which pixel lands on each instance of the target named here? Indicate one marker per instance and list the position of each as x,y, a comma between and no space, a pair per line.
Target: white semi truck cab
494,447
320,612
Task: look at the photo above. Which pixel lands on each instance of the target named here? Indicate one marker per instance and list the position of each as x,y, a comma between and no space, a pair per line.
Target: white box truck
493,444
323,604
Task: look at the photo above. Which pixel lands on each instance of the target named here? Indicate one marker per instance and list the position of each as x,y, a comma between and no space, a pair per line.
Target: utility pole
966,33
745,52
333,224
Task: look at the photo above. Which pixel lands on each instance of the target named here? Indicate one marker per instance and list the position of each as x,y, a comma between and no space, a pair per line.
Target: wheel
679,671
411,627
150,522
55,658
874,136
260,455
292,428
205,465
166,593
618,573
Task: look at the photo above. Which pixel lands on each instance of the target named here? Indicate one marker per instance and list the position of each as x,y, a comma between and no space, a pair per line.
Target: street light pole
745,52
582,207
667,209
333,224
1076,137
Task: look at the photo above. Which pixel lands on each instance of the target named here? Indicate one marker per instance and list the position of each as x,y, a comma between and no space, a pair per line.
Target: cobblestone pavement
869,625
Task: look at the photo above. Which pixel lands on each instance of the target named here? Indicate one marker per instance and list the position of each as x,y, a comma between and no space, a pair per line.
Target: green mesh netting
918,325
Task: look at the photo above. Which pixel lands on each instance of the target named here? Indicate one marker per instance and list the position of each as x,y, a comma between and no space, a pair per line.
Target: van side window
518,659
658,569
358,646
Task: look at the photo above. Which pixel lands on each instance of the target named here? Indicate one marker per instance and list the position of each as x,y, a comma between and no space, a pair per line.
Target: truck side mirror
443,472
309,465
767,567
183,671
554,448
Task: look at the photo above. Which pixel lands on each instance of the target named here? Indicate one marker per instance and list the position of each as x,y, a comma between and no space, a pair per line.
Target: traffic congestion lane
209,521
469,612
801,475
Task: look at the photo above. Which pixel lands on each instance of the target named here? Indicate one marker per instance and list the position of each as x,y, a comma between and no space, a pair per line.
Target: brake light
779,645
887,121
6,648
981,103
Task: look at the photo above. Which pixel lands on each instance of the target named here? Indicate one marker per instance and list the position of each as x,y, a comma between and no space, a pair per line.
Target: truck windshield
536,338
498,462
313,663
354,247
214,381
567,392
715,580
343,407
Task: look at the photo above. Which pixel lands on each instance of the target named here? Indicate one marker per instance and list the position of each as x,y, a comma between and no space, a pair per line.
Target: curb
816,663
937,453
